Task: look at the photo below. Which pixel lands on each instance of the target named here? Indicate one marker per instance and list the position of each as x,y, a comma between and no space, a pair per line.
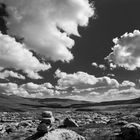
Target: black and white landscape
79,59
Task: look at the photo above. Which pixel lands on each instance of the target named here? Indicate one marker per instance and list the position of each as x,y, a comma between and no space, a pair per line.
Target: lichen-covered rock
131,131
62,134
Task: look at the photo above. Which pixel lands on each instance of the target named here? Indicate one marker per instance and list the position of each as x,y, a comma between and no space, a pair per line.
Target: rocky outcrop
62,134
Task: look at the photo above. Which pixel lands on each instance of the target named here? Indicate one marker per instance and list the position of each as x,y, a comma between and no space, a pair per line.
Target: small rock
121,123
24,124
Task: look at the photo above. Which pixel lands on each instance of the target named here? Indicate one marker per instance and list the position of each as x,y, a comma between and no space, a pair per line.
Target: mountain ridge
17,103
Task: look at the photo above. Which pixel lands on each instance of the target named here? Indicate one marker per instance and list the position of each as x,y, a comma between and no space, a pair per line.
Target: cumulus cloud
82,80
83,85
101,66
94,64
29,90
46,90
109,95
111,75
128,84
7,74
112,66
46,25
116,94
15,55
126,52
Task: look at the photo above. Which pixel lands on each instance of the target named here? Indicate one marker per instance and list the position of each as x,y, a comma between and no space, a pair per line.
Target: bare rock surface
62,134
68,122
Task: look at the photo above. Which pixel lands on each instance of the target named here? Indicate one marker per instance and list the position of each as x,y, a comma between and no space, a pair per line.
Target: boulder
47,114
9,129
43,128
68,122
131,131
62,134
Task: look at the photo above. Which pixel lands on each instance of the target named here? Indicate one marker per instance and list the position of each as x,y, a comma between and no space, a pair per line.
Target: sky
77,49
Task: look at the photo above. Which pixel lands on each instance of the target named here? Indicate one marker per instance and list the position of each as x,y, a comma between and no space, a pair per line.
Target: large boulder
47,121
68,122
62,134
131,131
43,128
57,134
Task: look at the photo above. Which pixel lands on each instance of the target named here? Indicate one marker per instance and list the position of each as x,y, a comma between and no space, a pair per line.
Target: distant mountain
16,103
119,102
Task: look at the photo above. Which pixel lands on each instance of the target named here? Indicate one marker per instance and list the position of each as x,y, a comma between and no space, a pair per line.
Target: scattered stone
100,122
121,123
25,123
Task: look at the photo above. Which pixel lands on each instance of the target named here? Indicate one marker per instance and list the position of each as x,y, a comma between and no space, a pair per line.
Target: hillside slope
16,103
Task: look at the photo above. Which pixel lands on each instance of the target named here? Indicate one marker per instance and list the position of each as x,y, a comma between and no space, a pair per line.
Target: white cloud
43,89
110,75
15,55
101,66
94,64
46,90
7,74
112,66
85,86
30,90
110,95
126,52
82,80
127,84
116,94
40,23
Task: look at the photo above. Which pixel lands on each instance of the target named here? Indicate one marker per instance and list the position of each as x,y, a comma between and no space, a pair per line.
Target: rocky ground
93,125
